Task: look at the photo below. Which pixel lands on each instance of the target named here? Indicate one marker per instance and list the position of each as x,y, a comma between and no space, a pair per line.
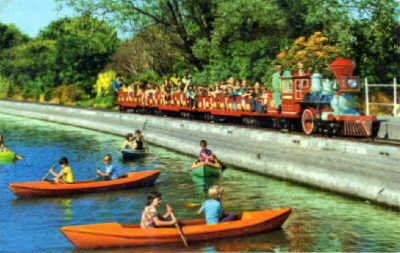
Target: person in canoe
129,142
66,175
213,209
2,145
139,141
207,157
151,218
110,171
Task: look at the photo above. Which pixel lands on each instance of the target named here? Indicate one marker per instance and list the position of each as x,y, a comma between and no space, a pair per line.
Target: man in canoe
110,171
2,145
66,175
150,216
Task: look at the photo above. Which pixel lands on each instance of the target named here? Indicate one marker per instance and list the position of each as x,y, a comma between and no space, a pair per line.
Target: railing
394,104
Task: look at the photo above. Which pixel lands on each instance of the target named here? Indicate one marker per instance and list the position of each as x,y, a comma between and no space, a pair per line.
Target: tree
84,46
30,67
186,20
10,36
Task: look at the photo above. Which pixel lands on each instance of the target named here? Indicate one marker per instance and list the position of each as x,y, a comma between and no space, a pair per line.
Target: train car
308,103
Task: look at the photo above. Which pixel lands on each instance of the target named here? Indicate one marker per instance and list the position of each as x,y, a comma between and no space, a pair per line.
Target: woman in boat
66,175
110,171
129,142
212,207
150,216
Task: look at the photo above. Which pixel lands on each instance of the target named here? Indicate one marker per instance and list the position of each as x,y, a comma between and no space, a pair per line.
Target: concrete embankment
366,171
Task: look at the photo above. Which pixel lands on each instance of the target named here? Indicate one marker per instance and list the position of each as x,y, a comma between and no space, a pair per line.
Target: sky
30,16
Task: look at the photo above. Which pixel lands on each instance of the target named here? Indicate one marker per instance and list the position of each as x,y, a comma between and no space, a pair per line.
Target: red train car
308,103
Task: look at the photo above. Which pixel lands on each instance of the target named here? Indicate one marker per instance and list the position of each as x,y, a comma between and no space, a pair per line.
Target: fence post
366,97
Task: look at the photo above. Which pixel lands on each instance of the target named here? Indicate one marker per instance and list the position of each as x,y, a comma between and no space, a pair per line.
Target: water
320,221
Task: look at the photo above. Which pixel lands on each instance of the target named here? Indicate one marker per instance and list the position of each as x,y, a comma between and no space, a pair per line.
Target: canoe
206,169
133,154
49,188
7,156
114,234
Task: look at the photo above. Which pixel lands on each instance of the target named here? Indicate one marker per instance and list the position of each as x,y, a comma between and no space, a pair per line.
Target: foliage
30,67
5,87
90,43
106,102
316,52
103,83
10,36
67,94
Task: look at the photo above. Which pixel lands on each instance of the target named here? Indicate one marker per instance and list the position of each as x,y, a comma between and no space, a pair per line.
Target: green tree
84,46
30,67
10,36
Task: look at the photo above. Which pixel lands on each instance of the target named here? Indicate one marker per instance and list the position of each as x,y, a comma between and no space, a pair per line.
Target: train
310,104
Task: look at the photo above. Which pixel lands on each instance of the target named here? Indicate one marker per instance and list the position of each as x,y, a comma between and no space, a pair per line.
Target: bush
99,102
5,87
67,94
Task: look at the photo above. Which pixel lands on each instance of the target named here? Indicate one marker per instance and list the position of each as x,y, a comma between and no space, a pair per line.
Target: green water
320,221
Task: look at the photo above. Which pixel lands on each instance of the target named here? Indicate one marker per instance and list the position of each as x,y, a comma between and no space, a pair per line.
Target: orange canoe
107,235
46,188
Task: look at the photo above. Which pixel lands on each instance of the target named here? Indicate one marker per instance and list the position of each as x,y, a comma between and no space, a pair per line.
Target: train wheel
308,121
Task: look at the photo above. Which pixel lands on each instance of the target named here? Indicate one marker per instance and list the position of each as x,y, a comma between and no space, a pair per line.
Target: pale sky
31,15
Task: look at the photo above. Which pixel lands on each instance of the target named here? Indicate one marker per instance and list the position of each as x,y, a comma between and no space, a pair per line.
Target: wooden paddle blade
191,205
18,157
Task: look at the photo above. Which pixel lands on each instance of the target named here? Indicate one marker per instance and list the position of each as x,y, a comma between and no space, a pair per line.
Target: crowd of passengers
234,94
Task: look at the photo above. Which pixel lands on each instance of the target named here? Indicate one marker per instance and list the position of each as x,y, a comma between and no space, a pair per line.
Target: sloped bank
361,170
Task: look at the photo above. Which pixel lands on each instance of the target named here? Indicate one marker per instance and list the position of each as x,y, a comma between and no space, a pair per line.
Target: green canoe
7,156
206,169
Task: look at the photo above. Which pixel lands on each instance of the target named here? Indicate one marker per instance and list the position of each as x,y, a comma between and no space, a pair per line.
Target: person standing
116,84
276,84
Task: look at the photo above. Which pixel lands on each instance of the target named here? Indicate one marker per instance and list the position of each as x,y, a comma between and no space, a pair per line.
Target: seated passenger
138,139
205,154
110,171
66,175
2,145
150,216
129,142
213,208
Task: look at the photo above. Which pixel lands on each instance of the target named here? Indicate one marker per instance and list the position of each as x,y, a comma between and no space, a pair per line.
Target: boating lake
320,221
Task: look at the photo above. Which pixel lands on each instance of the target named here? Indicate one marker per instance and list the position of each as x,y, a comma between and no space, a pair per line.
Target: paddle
191,205
48,172
18,157
180,230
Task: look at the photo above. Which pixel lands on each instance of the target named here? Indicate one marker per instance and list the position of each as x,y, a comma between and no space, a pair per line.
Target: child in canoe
129,142
150,216
66,175
110,171
207,156
213,209
2,145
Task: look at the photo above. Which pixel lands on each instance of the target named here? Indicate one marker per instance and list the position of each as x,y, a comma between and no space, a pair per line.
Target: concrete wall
362,170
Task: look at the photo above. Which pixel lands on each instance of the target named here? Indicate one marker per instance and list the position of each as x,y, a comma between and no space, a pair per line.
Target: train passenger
276,83
191,97
174,78
110,171
301,70
151,218
213,208
66,175
186,80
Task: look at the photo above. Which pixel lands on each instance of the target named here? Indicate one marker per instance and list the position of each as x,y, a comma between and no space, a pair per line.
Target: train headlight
352,83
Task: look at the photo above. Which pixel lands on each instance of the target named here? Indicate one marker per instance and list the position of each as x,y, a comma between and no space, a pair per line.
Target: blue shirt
113,174
213,210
